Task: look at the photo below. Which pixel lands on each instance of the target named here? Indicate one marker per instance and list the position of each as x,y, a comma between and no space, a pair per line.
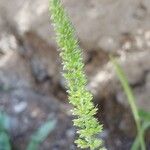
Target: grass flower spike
79,96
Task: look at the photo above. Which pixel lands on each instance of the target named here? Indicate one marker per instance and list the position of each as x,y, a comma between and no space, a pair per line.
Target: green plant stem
131,99
136,143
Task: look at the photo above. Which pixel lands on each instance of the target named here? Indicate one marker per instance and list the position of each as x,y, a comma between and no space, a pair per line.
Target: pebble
20,107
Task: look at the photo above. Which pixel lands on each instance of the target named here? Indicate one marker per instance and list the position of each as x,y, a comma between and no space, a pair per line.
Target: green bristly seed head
79,96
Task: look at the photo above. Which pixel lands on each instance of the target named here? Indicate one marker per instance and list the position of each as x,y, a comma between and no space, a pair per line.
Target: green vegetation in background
37,138
142,118
4,136
73,66
41,134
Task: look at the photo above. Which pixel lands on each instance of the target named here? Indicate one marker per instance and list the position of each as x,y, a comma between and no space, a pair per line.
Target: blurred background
32,88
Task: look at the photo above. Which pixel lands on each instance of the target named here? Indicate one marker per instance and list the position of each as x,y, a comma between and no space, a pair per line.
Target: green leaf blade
41,134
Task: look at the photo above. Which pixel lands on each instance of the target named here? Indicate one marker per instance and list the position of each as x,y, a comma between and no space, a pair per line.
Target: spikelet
73,66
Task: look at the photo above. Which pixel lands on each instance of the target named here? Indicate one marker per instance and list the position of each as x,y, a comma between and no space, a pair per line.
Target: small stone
107,44
127,45
139,42
147,35
20,107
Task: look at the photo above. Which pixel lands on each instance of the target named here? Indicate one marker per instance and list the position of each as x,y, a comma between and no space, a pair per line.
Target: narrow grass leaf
136,144
41,134
131,99
144,115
